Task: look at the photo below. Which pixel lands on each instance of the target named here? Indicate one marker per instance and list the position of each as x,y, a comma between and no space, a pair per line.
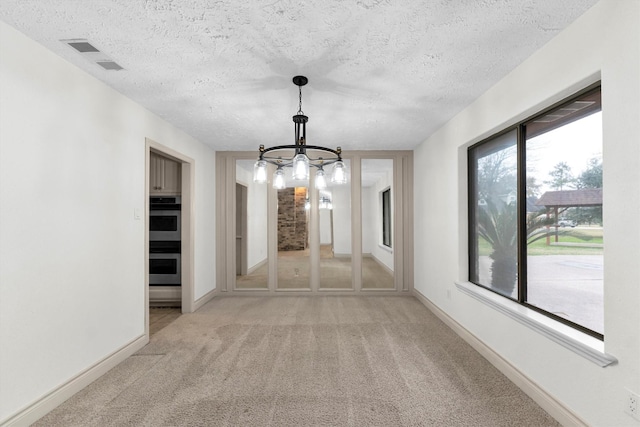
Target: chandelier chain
300,100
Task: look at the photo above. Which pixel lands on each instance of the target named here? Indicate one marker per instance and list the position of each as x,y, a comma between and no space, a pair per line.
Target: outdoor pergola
554,201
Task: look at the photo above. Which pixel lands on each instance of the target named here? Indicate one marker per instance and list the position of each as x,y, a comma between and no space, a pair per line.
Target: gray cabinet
165,175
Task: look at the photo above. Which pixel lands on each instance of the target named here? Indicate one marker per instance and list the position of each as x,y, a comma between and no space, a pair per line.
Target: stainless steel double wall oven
164,241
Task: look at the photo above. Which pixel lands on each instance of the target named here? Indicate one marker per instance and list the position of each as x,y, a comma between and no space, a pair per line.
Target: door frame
187,224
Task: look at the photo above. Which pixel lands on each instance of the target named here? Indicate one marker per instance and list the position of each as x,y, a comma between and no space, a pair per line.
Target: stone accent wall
292,219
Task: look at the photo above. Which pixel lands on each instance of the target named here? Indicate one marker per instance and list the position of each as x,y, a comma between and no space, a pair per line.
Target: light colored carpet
335,273
160,317
303,361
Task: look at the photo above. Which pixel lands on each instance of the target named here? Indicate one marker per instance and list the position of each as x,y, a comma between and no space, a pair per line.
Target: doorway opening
169,235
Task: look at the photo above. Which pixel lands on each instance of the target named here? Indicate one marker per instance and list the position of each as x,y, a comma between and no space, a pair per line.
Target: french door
352,238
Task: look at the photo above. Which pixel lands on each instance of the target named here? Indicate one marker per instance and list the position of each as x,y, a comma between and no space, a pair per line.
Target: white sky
575,144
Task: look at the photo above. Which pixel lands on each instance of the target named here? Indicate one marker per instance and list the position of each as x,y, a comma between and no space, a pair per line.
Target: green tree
561,177
497,174
591,177
533,188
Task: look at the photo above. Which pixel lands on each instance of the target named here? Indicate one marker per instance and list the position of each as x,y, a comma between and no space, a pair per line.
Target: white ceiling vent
92,54
109,65
82,46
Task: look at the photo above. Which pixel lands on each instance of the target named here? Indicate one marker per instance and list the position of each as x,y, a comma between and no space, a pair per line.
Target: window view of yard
567,275
555,195
588,238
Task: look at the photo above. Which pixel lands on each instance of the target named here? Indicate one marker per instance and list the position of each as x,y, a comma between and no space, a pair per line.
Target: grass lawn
566,235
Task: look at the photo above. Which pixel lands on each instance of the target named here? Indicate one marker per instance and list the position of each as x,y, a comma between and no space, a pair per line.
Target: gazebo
553,201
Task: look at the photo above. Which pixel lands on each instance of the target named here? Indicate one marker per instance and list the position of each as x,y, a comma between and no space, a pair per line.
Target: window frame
386,215
519,127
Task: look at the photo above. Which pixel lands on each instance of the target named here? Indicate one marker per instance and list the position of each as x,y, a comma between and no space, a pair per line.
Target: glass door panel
293,239
335,235
251,229
377,224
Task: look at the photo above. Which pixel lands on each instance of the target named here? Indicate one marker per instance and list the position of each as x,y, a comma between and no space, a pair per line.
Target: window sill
582,344
385,248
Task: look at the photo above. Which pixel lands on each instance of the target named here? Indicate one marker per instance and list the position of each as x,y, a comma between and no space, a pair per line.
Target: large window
535,205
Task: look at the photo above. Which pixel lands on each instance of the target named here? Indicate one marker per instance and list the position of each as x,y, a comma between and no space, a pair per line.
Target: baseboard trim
380,263
323,292
257,266
165,296
205,299
546,401
54,398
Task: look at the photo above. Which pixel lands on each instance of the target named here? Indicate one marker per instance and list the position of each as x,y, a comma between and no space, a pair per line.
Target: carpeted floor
335,272
303,361
161,317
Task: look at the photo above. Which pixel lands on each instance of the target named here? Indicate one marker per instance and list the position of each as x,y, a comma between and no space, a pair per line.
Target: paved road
570,286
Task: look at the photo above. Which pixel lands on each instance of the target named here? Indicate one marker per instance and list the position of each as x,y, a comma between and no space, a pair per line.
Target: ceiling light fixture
300,156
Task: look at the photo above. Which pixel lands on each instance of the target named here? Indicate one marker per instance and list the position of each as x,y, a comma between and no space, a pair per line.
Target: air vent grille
109,65
92,54
83,47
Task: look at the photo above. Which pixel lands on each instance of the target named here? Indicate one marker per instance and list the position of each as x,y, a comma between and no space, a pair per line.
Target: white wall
72,172
605,40
256,214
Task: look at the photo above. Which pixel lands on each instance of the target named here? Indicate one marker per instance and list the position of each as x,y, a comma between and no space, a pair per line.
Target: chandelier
300,156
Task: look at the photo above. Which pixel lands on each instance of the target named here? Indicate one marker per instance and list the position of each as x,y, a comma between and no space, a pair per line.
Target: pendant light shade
301,167
321,182
260,172
278,179
339,173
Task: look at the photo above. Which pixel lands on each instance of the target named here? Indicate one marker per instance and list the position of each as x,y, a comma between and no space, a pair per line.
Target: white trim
580,343
385,248
258,265
57,396
160,295
546,401
340,255
205,299
322,292
380,263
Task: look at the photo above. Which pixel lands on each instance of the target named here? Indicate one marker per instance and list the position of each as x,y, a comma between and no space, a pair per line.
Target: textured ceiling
383,74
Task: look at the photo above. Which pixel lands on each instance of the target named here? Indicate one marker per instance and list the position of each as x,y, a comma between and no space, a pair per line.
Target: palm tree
498,225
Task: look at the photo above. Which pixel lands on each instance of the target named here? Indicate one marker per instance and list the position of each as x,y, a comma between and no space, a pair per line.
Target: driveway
570,286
